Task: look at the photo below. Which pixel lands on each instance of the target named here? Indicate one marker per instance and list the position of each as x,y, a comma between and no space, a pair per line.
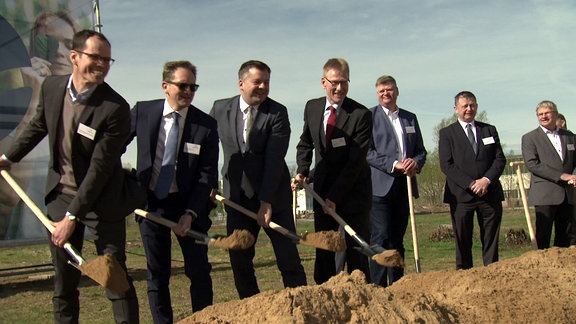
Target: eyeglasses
338,83
183,86
98,58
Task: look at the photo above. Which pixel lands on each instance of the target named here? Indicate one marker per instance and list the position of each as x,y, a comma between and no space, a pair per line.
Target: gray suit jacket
95,161
546,167
263,159
384,149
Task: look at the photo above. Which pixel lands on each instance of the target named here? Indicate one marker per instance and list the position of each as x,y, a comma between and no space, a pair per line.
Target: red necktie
330,124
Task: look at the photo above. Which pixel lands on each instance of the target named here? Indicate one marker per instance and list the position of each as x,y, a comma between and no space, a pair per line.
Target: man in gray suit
254,132
549,155
87,124
396,151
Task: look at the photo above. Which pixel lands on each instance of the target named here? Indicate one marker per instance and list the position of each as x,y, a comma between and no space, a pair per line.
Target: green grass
26,300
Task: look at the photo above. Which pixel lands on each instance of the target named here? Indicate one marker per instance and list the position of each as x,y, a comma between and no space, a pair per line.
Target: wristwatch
71,217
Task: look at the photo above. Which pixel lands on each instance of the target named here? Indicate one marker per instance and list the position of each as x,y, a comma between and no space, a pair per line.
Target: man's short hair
246,66
171,66
464,94
80,38
339,64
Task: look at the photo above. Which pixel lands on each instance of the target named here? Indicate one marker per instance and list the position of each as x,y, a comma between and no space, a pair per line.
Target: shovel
413,225
386,258
518,166
325,240
105,270
239,240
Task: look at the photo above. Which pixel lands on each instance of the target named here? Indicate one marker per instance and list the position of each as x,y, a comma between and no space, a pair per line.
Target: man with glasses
550,155
87,124
178,164
255,131
337,130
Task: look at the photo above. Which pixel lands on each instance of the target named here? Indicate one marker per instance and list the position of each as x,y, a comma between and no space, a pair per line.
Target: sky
510,54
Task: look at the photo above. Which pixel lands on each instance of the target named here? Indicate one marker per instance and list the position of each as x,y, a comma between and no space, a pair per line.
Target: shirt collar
81,97
391,113
243,105
168,110
464,124
547,131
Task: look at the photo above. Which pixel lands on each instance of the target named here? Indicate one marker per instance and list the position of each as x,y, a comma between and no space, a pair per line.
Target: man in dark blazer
396,151
472,159
87,124
549,154
187,200
341,174
255,131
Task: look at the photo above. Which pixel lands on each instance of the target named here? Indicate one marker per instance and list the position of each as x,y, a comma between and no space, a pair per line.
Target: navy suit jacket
263,158
543,161
341,174
196,174
95,161
462,166
384,149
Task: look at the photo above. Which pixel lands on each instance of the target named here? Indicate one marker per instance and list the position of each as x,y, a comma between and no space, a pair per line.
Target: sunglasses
183,86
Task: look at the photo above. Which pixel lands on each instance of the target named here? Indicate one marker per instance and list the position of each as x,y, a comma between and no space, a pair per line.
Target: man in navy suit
472,159
396,151
341,174
254,131
186,200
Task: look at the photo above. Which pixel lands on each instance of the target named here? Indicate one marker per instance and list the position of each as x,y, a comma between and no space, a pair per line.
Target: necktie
471,137
168,161
330,124
245,183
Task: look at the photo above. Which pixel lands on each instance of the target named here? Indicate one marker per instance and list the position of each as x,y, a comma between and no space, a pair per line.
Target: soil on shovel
239,240
538,287
389,258
327,240
106,271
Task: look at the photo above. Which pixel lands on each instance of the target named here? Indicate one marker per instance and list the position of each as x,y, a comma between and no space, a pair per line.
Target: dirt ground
538,287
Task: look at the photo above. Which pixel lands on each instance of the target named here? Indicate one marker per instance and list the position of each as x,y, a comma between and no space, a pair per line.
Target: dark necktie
471,137
245,182
168,161
330,124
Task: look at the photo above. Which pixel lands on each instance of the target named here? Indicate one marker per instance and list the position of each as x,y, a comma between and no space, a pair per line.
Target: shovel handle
277,227
39,214
170,224
335,215
413,224
518,165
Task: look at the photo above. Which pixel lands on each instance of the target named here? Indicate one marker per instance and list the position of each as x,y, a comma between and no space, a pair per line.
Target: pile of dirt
538,287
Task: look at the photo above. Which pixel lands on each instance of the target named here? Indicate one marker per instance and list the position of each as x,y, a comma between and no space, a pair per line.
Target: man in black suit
337,131
472,159
255,131
185,197
87,124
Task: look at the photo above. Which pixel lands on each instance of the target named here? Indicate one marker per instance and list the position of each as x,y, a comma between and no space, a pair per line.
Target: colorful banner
35,41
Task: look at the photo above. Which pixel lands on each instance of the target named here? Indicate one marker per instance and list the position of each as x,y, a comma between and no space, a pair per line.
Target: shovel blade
106,271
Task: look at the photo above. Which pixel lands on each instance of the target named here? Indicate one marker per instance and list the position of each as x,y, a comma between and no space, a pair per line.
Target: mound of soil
538,287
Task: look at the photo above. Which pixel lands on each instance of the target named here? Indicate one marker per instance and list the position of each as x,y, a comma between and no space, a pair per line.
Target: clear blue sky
511,54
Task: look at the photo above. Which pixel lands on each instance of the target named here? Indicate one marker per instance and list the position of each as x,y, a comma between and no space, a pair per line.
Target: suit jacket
384,149
196,171
95,161
265,151
341,173
541,158
462,166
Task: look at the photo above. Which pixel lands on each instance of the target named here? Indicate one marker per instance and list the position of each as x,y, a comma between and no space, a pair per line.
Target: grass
26,298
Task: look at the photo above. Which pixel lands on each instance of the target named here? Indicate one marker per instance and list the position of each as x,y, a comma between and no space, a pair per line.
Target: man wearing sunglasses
87,124
178,164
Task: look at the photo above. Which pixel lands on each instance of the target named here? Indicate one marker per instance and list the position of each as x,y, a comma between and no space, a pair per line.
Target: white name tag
570,147
192,148
488,140
410,129
86,131
337,142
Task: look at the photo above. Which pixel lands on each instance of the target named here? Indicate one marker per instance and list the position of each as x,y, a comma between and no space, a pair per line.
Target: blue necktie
168,161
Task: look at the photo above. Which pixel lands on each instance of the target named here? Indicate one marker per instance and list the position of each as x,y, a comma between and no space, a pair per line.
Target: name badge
192,148
338,142
410,129
488,140
570,147
86,131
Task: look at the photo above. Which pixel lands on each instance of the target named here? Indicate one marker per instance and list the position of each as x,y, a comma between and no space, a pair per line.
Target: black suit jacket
96,162
341,173
462,166
196,172
263,159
